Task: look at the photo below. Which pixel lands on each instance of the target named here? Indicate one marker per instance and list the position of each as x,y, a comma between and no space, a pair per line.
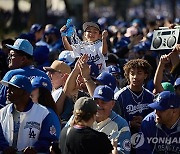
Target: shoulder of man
4,111
120,121
149,121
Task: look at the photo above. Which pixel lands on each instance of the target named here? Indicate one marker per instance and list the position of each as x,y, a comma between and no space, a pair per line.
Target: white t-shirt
94,51
57,93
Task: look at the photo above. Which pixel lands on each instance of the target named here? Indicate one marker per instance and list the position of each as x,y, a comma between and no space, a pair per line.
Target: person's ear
84,34
146,75
113,103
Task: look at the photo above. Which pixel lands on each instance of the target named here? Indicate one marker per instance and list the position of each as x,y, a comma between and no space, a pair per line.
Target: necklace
134,96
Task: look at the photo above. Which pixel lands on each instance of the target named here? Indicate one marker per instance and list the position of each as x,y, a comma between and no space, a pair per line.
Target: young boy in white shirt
94,44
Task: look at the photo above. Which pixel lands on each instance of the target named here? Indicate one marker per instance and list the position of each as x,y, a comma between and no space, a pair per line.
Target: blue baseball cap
108,79
94,72
113,69
67,57
35,28
177,82
22,45
27,36
38,82
166,100
104,93
41,54
19,81
52,30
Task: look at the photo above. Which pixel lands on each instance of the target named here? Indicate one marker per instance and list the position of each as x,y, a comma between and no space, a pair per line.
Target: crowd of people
102,92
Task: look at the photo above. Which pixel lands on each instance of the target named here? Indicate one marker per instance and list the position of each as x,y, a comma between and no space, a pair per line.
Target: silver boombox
165,38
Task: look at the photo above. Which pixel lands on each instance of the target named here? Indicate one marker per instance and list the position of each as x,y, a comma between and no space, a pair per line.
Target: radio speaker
164,39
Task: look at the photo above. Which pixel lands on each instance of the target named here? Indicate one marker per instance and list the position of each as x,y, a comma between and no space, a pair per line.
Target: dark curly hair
137,63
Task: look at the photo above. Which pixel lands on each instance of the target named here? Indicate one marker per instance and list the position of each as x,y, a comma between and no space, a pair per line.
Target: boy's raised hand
104,34
63,28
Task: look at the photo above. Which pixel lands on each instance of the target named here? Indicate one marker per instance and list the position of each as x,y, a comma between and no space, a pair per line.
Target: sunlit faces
56,78
92,34
14,60
104,109
137,77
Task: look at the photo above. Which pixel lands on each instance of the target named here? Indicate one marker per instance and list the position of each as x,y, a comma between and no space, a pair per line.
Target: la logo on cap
13,78
158,98
100,92
44,84
113,69
17,43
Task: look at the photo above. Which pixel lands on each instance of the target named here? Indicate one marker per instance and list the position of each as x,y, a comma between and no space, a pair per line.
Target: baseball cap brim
100,80
49,69
6,83
100,97
17,48
64,60
11,47
156,106
90,24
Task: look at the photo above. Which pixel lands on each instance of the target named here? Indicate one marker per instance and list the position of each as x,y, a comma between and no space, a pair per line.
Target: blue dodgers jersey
29,71
157,138
132,105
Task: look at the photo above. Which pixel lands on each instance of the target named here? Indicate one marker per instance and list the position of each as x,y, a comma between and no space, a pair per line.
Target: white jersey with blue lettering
94,51
31,126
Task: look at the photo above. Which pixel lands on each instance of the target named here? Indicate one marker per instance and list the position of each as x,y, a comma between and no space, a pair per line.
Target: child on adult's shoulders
94,44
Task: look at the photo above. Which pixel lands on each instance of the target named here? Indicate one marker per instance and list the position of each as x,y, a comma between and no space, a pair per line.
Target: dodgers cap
22,45
166,100
104,93
19,81
38,82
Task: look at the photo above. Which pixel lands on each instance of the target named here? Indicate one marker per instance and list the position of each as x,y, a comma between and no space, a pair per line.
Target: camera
165,38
